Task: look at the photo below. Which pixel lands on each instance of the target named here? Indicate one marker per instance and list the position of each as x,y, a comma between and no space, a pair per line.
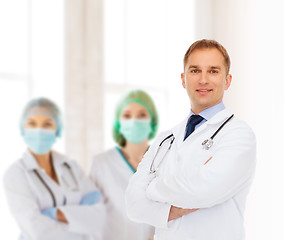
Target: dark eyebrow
215,67
192,66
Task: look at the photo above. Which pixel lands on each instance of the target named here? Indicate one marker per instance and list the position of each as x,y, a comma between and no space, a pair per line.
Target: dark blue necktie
191,123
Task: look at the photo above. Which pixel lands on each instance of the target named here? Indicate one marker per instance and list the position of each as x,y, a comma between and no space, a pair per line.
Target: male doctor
197,191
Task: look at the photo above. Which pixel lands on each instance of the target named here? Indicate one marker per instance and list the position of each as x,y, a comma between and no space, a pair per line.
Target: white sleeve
24,207
84,219
229,171
97,177
139,207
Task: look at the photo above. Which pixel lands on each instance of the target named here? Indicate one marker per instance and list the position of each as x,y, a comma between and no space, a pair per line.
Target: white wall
83,79
144,44
31,65
251,32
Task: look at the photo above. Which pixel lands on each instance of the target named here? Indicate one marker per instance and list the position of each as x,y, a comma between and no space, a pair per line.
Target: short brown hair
205,43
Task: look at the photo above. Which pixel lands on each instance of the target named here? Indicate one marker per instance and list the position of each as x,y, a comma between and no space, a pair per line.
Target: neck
198,109
43,160
135,152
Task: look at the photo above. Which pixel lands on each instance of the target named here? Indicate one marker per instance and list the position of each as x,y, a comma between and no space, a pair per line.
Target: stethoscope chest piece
207,144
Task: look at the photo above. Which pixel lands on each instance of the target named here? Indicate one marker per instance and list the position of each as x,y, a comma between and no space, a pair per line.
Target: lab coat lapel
219,118
64,174
29,161
179,130
58,161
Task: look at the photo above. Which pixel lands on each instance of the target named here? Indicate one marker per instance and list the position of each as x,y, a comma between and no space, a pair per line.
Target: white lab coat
111,174
219,187
27,196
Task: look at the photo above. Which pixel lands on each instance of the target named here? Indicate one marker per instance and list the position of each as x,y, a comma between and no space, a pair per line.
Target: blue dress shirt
208,113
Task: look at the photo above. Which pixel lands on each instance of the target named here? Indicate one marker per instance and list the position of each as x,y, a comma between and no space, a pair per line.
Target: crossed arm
142,209
157,200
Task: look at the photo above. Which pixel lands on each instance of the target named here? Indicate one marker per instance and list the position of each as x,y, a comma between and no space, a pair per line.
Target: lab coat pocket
194,159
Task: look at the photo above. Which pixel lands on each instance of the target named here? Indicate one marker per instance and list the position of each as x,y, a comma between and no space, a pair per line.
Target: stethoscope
206,144
49,189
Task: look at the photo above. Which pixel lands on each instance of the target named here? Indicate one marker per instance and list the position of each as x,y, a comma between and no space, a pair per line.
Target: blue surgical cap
42,106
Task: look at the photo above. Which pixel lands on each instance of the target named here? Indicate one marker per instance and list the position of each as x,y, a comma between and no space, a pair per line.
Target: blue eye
194,71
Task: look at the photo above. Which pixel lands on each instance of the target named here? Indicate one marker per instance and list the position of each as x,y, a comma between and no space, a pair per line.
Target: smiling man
193,182
206,76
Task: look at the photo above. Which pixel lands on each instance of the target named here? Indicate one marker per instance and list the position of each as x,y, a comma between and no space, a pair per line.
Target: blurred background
84,54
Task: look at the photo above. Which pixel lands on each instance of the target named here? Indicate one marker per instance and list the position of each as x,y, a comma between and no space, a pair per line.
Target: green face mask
135,130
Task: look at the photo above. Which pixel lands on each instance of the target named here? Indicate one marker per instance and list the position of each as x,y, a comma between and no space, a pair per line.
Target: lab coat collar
219,117
178,131
30,162
210,112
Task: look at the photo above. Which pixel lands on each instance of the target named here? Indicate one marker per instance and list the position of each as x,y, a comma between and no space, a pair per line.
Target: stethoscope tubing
166,139
224,123
49,189
171,135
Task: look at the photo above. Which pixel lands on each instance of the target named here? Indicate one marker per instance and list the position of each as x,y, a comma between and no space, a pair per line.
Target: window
31,65
145,42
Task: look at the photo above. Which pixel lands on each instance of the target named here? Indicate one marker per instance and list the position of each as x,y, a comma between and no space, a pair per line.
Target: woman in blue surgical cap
135,123
49,195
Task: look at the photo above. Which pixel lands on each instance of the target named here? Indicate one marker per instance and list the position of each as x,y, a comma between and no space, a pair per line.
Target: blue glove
50,212
91,198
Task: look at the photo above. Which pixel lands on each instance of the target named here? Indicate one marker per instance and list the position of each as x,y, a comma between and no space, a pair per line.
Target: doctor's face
205,78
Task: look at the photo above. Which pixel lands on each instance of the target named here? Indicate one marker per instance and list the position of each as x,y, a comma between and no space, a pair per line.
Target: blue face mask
39,140
135,130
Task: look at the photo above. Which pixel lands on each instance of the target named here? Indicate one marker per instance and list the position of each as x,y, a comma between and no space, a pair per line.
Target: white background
144,43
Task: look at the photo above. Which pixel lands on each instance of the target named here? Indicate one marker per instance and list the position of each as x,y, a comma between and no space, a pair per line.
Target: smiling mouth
204,90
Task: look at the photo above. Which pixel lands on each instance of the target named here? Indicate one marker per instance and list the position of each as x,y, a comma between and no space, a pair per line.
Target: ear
182,76
228,81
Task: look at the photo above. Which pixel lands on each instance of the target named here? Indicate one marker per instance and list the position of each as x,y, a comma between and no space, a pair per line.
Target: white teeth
203,90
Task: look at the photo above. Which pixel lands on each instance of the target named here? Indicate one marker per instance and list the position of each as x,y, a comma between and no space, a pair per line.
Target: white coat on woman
27,195
216,181
111,173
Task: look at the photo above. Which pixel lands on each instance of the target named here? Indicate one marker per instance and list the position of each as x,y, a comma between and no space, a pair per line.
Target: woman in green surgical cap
135,123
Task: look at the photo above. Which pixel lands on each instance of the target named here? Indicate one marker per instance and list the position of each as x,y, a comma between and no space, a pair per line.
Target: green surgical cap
143,99
42,106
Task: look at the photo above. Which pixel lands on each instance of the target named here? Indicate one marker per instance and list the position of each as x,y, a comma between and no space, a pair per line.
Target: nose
203,78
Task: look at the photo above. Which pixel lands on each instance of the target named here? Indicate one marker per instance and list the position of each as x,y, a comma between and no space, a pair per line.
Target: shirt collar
210,112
